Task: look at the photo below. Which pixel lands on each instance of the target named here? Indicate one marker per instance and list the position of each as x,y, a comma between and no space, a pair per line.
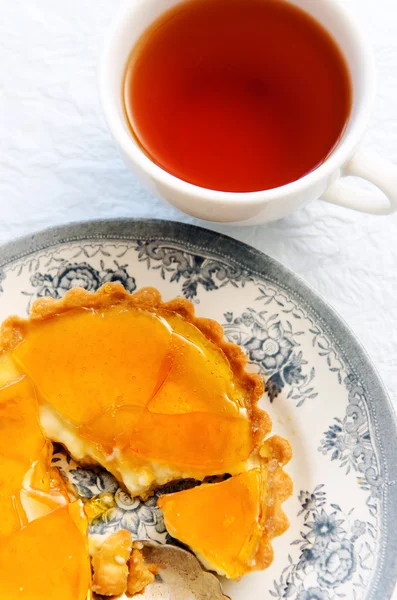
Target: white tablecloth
58,162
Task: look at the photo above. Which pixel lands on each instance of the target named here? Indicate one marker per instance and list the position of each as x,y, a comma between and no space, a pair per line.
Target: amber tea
237,95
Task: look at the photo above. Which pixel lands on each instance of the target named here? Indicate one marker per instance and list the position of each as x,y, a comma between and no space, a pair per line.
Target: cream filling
140,479
209,566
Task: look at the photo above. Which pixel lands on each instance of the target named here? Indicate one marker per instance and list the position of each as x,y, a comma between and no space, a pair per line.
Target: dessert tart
153,394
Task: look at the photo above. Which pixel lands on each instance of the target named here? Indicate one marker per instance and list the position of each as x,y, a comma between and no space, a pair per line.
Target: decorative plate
322,393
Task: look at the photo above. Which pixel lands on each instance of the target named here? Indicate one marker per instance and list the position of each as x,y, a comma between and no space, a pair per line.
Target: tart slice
48,558
29,486
140,386
230,525
43,538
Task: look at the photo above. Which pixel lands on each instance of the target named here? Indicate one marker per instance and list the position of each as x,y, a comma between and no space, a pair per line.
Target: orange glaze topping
43,539
29,487
230,525
221,521
118,375
48,558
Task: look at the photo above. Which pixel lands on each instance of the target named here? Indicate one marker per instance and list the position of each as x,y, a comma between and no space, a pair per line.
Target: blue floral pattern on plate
109,507
68,275
273,346
192,270
332,547
348,441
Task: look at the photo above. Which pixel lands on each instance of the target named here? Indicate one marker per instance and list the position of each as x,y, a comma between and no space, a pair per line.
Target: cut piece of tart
43,538
29,486
140,386
48,558
230,525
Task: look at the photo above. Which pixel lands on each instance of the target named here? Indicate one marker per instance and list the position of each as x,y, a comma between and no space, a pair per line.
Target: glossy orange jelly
149,383
47,558
43,539
221,521
230,525
29,487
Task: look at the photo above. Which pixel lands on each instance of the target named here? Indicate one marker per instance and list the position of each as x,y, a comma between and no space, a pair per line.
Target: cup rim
340,155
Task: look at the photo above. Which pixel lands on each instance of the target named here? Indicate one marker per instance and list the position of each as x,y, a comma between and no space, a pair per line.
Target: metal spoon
180,576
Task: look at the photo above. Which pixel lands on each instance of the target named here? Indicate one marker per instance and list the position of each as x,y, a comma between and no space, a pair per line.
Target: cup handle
369,166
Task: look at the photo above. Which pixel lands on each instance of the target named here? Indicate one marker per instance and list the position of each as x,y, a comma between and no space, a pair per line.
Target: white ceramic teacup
327,181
